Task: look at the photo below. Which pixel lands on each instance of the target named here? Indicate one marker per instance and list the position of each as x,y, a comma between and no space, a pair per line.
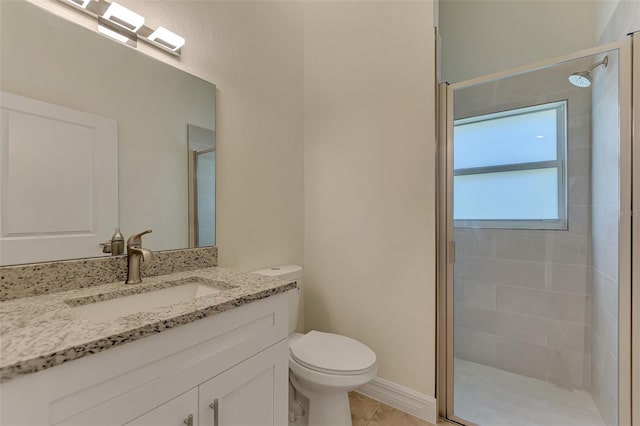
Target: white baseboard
402,398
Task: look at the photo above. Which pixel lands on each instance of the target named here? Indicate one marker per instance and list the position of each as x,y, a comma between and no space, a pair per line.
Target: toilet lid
332,353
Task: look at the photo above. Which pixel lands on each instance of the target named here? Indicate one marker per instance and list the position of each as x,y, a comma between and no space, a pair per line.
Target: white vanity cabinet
238,357
241,396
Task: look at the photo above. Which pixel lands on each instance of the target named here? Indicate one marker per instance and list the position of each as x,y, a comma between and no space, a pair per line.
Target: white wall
604,12
480,37
369,181
616,18
252,51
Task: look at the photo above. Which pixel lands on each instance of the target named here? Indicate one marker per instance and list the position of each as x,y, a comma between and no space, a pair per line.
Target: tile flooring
491,397
369,412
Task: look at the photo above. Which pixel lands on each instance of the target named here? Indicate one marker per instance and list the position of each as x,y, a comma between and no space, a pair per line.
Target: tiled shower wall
604,306
523,297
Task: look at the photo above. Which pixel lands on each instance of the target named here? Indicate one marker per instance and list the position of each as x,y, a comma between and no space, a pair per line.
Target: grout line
550,289
512,339
543,289
525,315
374,413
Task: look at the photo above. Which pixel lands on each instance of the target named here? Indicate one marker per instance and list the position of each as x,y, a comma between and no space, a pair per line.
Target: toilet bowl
323,367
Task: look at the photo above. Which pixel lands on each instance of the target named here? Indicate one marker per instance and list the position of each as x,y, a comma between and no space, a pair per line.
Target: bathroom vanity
216,359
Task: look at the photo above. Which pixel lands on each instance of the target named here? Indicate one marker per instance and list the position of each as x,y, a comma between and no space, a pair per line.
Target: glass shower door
538,174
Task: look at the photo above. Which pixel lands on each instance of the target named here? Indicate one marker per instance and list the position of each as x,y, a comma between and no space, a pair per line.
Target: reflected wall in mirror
152,103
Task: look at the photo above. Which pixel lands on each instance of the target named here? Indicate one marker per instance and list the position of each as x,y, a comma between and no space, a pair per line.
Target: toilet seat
332,354
331,381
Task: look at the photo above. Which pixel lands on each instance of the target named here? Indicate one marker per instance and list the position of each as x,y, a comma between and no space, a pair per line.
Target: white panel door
253,393
173,413
58,181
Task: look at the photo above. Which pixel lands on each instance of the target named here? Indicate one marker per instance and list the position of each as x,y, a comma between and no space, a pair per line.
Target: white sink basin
130,304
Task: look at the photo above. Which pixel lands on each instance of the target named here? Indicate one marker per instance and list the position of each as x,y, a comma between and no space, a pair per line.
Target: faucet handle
106,246
136,239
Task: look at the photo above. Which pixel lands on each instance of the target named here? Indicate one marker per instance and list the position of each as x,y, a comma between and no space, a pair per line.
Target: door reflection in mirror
202,186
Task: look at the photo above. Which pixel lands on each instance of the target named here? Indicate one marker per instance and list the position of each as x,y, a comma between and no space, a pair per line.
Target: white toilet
323,367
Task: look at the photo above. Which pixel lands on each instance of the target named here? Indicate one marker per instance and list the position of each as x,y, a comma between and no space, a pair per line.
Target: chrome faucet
135,252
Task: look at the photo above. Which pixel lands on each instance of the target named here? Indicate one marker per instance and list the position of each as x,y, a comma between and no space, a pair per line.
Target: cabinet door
175,412
253,393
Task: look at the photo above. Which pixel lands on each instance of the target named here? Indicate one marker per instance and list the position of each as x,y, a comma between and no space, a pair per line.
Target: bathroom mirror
46,58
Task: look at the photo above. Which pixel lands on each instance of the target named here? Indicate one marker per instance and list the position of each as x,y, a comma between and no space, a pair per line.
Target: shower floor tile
491,397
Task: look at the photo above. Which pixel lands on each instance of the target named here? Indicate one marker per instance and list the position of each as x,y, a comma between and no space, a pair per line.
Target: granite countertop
44,331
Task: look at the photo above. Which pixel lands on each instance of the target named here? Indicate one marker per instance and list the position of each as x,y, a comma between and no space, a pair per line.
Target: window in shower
509,169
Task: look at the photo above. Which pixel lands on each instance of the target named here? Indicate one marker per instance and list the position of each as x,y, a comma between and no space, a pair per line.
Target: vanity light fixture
166,39
80,3
124,17
126,26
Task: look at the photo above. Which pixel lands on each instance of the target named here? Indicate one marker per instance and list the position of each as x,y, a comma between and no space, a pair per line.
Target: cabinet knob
189,420
214,407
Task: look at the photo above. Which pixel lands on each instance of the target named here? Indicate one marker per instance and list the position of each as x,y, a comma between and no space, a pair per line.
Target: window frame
560,163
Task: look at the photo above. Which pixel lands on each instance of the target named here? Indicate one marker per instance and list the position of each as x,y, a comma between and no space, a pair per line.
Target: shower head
580,79
583,78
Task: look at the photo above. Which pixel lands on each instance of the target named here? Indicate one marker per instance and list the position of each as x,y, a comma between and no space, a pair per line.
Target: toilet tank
291,273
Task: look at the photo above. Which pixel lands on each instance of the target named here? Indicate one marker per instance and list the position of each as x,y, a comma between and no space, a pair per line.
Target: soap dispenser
117,243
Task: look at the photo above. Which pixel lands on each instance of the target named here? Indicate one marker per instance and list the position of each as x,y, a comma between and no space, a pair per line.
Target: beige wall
369,181
252,51
522,297
481,37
